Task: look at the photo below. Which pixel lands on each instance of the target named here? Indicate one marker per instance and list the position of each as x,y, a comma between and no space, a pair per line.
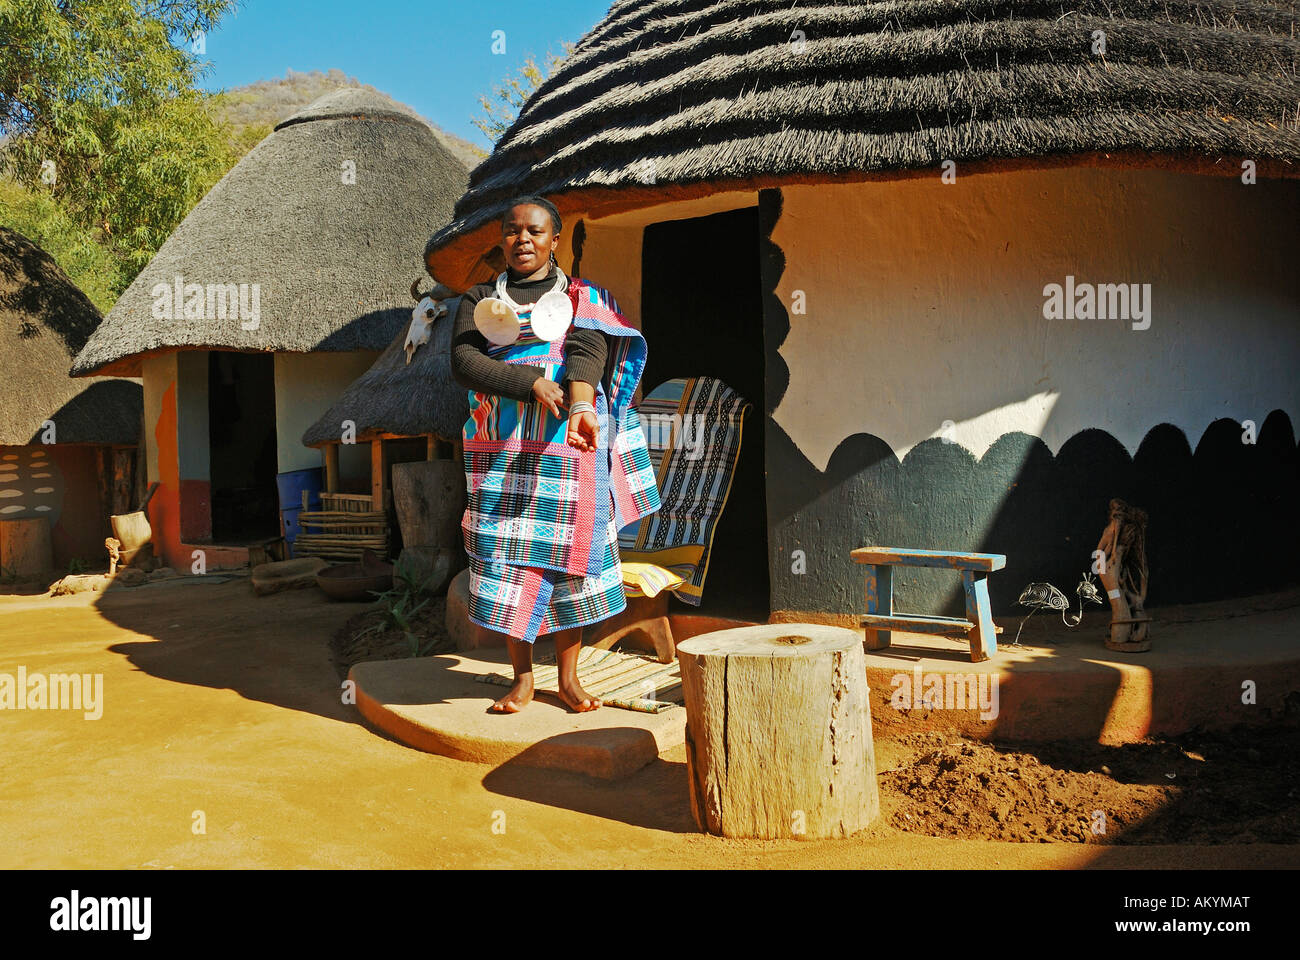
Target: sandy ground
226,708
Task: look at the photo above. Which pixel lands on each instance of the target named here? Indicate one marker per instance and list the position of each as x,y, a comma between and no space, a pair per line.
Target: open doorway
242,442
702,315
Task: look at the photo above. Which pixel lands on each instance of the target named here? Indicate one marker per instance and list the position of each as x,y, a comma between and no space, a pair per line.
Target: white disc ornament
551,315
497,321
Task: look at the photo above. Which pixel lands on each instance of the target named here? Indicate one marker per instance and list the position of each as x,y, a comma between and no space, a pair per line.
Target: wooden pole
331,454
378,473
778,731
124,469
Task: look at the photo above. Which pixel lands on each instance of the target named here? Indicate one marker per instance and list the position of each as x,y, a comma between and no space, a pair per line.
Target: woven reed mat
627,680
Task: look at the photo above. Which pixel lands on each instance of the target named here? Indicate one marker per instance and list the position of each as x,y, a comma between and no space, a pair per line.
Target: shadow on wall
1223,519
106,411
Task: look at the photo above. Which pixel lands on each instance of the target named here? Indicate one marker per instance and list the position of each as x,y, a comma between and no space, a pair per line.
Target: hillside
253,110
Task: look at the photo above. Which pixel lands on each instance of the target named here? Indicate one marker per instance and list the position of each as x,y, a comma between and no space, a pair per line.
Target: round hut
67,447
282,286
985,266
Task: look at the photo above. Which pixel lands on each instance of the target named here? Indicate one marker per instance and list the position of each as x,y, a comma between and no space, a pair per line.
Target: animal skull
428,308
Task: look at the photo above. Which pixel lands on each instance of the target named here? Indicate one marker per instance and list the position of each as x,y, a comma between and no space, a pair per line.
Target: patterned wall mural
31,484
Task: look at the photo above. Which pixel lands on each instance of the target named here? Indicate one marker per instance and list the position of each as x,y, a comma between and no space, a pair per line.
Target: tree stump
778,732
429,497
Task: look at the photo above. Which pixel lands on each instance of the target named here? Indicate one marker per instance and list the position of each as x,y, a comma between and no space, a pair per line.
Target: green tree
98,106
499,111
38,217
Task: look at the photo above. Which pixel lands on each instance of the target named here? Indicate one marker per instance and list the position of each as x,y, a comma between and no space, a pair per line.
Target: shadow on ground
273,649
656,796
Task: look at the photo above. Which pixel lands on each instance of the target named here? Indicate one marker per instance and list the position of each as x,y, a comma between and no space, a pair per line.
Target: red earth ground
224,742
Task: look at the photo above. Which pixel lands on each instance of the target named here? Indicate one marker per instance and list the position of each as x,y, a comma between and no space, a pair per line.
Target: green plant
398,607
76,565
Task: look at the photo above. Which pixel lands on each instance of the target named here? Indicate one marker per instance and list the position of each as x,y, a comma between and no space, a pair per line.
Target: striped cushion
693,430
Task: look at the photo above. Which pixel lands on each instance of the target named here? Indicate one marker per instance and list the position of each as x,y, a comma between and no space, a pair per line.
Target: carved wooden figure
1124,574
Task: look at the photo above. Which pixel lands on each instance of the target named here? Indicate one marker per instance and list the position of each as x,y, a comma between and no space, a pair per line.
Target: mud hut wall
58,481
920,397
165,394
306,384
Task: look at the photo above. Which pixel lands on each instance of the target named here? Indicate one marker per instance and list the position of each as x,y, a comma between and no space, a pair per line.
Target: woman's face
527,238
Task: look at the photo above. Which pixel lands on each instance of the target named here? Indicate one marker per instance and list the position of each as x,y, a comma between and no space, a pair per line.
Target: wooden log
104,481
26,547
778,731
429,497
124,469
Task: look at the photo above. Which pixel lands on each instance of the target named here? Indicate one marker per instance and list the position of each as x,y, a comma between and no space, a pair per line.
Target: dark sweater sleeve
474,369
585,352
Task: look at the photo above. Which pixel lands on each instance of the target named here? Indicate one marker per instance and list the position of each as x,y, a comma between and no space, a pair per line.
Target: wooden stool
978,625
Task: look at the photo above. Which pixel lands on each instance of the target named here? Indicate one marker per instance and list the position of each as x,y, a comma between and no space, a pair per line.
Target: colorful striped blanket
533,500
695,426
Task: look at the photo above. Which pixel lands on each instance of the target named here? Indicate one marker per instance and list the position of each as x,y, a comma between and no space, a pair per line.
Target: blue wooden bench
977,626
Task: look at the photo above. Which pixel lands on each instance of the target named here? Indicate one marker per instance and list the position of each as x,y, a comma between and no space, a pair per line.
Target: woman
552,474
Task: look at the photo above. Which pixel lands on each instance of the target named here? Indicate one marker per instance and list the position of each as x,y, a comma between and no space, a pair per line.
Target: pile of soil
1238,786
356,641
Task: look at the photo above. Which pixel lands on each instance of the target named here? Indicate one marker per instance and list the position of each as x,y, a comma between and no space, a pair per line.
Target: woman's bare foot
576,698
520,696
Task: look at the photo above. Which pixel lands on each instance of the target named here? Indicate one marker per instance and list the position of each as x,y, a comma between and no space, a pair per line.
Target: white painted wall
305,386
925,304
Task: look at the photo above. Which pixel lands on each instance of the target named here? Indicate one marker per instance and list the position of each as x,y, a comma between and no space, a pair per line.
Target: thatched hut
984,266
282,285
399,397
67,447
407,406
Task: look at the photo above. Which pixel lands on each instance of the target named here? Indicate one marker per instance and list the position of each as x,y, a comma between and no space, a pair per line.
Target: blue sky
434,55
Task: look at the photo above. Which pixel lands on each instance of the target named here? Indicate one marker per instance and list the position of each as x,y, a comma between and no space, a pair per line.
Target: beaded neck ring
497,318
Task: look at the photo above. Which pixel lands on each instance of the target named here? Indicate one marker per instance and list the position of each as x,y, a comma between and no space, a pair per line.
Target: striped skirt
528,602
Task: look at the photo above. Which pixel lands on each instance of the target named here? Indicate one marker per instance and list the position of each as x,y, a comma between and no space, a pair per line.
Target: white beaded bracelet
582,406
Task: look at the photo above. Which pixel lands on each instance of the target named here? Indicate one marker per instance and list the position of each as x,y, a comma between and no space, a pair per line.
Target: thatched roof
670,99
393,397
332,259
44,320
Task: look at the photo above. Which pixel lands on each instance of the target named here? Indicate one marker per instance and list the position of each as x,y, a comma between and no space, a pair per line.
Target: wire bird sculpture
1044,596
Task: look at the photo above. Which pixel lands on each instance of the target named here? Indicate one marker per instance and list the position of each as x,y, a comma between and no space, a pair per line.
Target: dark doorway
702,315
241,434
